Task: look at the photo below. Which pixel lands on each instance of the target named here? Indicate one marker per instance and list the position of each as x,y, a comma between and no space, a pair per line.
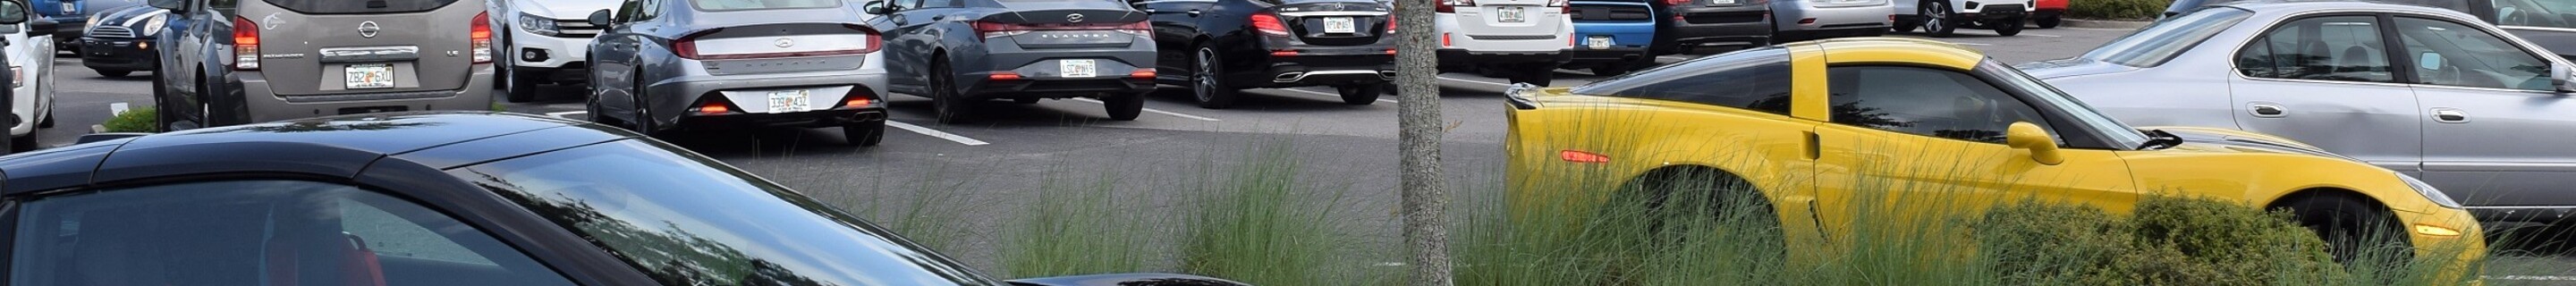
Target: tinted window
2338,48
691,221
2535,13
2446,53
2119,135
2159,42
359,6
1752,79
733,5
1924,101
256,233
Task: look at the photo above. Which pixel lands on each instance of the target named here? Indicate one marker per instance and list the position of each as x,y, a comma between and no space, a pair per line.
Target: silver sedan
664,65
2429,92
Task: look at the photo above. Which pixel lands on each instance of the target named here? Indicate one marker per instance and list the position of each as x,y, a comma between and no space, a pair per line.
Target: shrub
2116,9
134,120
2170,241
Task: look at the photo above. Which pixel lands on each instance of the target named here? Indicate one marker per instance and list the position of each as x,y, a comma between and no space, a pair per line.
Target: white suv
31,59
1523,40
548,42
1939,18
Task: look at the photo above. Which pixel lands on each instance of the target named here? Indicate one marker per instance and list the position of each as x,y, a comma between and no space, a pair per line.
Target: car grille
576,28
1599,13
111,32
1724,17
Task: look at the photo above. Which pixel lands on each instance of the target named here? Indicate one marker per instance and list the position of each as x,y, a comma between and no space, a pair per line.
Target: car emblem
1075,18
785,43
369,29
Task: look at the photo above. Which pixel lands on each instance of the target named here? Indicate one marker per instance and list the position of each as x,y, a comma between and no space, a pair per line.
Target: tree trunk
1426,229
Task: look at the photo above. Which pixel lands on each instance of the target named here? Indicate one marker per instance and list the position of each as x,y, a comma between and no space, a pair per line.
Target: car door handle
2450,115
939,18
2268,110
1194,12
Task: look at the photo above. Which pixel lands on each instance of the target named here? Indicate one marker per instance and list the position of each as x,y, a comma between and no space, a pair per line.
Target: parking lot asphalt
991,166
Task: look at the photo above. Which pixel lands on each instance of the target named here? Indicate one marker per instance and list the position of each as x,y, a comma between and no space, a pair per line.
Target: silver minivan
233,62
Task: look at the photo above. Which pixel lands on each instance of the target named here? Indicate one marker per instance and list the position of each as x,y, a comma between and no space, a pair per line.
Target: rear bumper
1369,65
118,54
1587,57
1834,18
263,104
746,94
1741,25
1461,59
1040,72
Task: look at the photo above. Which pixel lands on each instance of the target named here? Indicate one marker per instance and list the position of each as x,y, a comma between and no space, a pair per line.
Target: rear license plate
1078,68
1511,14
791,101
1722,2
1340,25
1601,42
370,76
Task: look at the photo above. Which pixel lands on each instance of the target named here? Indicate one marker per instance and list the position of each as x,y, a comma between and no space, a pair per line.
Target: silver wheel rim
1932,16
1204,76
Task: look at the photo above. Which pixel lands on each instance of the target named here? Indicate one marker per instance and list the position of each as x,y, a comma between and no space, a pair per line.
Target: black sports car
438,199
121,43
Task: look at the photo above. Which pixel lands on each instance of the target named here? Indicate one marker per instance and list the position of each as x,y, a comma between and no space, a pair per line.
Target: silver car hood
2073,67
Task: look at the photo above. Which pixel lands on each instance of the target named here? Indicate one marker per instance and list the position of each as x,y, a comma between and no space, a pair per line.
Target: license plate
370,76
1079,68
1722,2
1511,14
1601,42
791,101
1340,25
70,8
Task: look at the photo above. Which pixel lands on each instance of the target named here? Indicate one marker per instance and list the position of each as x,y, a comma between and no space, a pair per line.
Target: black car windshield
2119,134
689,220
2159,42
734,5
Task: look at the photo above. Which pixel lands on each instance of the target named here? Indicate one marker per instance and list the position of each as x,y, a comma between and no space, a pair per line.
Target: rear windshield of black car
737,5
360,6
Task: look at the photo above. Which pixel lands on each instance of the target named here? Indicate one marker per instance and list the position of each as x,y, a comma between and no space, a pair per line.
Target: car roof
1896,50
2302,6
339,146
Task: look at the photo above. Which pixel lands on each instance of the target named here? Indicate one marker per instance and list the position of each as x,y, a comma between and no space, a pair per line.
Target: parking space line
935,133
1156,111
566,113
1677,58
2042,35
1970,44
1474,81
2531,278
1334,95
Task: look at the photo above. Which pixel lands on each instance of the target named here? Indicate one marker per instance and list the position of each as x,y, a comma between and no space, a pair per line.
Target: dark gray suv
245,61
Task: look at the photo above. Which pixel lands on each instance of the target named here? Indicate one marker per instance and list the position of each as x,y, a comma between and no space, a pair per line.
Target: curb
2104,24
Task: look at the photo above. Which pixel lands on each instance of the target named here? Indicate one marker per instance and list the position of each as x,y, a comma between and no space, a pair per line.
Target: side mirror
876,7
2428,61
2026,136
12,12
2560,77
599,18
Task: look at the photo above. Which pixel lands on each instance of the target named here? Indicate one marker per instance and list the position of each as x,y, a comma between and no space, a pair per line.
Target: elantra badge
1075,18
369,29
785,43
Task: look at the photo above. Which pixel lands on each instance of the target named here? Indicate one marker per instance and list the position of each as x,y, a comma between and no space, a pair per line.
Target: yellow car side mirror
2026,136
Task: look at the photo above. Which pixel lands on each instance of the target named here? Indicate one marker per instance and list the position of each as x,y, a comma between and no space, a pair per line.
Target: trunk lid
1066,26
781,48
1511,20
308,54
1335,23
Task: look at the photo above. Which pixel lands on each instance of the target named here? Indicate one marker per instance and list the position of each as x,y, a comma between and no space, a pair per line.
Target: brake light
1390,23
999,29
245,44
481,33
1562,6
687,46
1676,2
1269,24
1451,6
1004,76
715,105
1143,73
1582,157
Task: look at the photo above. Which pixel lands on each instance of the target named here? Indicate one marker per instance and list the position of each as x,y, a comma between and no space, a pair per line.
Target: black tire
952,108
519,87
19,144
1902,26
48,121
864,133
591,111
2047,22
1688,204
115,73
1363,94
1539,75
2352,228
160,93
2007,27
1207,81
1124,107
1936,22
642,121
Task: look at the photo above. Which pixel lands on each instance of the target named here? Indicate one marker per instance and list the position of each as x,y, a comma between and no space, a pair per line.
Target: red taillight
1390,23
1451,6
1807,21
1269,24
1582,157
1562,6
1444,40
1283,53
481,37
998,29
713,107
1003,76
245,44
856,101
1676,2
1143,73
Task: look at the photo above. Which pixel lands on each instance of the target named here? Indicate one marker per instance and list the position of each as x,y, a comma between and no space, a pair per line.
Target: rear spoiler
1518,95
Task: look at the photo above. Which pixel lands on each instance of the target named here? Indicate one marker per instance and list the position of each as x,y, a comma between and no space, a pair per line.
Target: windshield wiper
2159,139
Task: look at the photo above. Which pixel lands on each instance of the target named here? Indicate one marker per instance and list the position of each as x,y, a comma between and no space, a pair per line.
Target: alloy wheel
1203,76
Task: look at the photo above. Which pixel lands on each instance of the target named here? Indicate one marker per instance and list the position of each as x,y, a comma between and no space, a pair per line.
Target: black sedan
121,43
437,199
1230,45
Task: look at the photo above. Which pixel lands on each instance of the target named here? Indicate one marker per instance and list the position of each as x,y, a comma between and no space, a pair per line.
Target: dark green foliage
2116,9
2170,241
134,120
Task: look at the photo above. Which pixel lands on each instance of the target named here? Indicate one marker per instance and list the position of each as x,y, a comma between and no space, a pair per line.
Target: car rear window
2153,45
735,5
360,6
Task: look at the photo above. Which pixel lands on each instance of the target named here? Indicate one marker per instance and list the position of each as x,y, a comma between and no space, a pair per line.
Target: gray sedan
2429,92
664,65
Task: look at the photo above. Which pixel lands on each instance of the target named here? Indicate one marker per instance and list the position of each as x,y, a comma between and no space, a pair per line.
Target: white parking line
1156,111
1677,58
1474,81
565,114
2042,35
2531,278
1334,95
935,133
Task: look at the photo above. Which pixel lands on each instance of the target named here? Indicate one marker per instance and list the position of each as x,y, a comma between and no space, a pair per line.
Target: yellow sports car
1812,127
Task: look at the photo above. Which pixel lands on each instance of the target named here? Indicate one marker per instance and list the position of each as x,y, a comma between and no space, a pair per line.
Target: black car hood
130,17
